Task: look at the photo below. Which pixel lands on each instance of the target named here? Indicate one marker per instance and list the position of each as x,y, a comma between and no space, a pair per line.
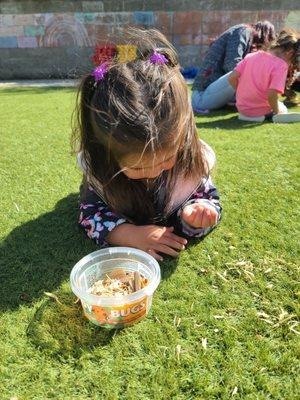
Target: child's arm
277,81
96,218
153,239
202,212
105,227
236,48
233,79
273,100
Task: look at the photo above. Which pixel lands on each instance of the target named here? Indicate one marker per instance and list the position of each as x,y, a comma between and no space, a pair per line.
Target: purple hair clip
99,72
158,58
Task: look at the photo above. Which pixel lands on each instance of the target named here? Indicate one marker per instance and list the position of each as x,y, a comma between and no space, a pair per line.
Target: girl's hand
199,215
151,238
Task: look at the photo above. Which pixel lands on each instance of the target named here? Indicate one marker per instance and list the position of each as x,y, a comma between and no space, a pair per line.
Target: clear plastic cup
115,312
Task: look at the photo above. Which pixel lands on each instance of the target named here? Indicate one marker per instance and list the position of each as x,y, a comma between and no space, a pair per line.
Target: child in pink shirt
261,76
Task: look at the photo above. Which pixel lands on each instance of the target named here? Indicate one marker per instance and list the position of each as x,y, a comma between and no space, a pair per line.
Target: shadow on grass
39,255
228,123
59,329
168,266
222,112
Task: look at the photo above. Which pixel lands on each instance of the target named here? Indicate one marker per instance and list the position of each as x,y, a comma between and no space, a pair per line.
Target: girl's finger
213,217
153,253
198,221
162,248
189,214
176,238
170,228
206,218
172,243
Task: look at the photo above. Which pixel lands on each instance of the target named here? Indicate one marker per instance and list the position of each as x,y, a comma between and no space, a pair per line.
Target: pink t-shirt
259,72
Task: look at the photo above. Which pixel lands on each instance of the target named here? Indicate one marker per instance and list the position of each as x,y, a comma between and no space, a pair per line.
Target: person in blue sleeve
211,89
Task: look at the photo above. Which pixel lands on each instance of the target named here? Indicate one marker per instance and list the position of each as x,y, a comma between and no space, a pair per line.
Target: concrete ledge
45,63
49,83
39,83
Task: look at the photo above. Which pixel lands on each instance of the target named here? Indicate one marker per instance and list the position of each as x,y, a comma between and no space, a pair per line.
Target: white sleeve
210,154
80,162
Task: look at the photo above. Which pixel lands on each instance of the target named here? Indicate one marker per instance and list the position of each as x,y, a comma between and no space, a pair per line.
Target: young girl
261,76
146,177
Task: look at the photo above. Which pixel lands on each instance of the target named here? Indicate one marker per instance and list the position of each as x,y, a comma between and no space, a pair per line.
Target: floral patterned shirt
98,219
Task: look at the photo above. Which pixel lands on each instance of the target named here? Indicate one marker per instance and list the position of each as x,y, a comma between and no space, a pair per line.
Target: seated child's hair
140,107
289,39
263,35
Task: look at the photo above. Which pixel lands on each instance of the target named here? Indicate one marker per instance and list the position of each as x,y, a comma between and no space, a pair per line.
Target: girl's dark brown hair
142,108
289,39
263,35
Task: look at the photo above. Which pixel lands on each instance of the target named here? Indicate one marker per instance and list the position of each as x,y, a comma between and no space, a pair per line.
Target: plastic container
112,312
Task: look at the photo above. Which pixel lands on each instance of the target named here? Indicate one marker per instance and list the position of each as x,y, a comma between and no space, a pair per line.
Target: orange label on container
122,315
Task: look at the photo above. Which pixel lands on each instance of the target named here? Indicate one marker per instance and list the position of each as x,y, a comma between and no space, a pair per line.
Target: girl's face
135,166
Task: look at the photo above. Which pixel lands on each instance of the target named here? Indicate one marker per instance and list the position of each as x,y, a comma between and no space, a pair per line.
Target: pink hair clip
99,72
158,58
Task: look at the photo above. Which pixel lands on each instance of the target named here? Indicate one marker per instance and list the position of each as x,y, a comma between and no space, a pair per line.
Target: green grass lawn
225,319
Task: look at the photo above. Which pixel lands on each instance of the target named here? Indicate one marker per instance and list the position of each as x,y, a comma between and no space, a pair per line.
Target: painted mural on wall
91,29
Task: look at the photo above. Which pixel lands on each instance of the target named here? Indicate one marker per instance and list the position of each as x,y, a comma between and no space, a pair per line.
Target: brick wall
60,44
